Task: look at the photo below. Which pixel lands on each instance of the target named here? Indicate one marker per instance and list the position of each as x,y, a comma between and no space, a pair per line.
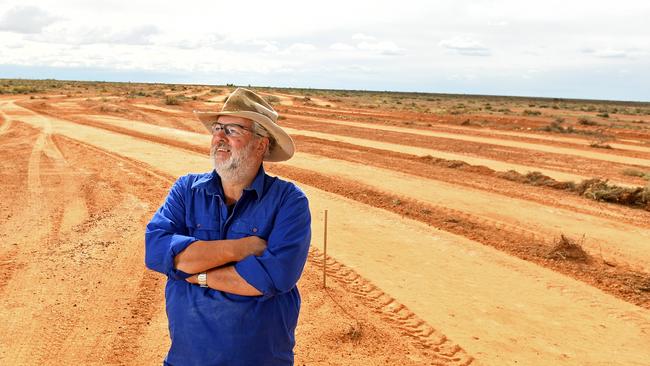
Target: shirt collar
212,183
258,182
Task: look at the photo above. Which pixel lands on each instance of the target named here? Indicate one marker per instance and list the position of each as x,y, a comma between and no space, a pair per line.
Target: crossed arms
250,266
211,256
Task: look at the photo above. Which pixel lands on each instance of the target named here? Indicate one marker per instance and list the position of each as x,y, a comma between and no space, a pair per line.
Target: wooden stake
325,250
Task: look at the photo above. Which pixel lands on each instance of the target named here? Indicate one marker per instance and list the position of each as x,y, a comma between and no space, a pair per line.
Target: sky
566,49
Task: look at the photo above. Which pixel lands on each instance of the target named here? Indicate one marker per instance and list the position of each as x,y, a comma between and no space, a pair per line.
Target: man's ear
263,145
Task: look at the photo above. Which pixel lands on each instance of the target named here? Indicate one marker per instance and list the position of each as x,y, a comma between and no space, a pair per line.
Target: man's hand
250,245
193,279
227,279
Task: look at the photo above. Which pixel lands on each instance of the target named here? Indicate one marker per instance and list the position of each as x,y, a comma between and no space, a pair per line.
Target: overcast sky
570,48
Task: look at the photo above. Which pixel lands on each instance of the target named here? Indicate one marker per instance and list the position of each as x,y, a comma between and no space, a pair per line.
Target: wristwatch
203,279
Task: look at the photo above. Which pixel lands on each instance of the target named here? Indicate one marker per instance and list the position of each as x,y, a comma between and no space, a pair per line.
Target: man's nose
219,135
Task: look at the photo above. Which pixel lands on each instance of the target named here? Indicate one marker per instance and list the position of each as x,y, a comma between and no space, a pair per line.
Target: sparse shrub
636,173
600,145
272,99
535,179
528,112
603,115
354,332
568,249
587,122
172,100
556,127
599,190
137,93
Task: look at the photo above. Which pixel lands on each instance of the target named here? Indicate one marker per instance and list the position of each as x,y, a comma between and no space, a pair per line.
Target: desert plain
462,229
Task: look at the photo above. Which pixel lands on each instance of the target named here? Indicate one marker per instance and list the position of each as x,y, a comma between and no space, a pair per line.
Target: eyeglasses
230,129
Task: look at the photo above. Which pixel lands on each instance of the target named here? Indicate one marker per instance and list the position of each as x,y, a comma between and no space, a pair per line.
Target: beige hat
244,103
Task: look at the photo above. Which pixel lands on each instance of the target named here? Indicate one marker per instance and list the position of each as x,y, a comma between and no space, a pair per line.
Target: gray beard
238,167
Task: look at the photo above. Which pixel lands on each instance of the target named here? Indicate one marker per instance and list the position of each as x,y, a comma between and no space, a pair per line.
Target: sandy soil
157,108
497,157
404,288
500,142
544,220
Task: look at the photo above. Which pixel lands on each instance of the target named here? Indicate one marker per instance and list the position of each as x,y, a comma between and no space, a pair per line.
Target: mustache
221,144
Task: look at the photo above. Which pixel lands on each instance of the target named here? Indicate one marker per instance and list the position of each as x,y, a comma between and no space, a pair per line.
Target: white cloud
341,47
300,47
498,23
465,46
362,37
382,47
26,19
606,53
291,45
140,35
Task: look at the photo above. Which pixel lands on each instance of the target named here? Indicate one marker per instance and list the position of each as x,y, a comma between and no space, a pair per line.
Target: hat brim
284,146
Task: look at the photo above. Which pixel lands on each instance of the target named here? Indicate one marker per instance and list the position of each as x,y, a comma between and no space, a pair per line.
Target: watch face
203,279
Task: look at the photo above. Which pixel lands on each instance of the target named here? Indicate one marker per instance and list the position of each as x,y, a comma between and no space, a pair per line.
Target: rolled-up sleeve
278,269
166,233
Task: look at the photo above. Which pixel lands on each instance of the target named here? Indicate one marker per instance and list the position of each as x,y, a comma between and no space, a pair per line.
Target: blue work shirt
211,327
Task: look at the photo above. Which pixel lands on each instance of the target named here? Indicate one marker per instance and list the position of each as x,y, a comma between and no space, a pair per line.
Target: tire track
142,305
9,265
48,328
390,310
6,123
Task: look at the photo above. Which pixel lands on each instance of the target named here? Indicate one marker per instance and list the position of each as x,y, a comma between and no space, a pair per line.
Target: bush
272,99
636,173
568,249
528,112
556,127
587,122
172,100
599,190
600,145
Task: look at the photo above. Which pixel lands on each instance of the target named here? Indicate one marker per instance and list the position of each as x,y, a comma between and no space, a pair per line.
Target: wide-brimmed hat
244,103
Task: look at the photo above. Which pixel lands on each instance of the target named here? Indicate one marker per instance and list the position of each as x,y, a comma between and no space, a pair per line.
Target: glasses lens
234,130
230,129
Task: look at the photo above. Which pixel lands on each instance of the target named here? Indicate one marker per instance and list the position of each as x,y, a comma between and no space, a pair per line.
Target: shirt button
254,229
198,225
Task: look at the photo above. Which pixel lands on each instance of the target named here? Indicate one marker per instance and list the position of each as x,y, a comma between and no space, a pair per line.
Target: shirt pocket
241,228
204,227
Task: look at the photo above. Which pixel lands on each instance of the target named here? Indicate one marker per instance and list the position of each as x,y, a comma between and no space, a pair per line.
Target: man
233,243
